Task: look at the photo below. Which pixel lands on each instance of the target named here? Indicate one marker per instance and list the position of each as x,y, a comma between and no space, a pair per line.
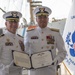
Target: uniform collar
9,33
42,29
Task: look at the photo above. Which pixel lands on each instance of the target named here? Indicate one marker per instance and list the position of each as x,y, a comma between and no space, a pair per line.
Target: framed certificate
37,60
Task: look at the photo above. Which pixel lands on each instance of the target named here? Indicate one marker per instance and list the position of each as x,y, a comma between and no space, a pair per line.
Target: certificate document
37,60
21,59
41,59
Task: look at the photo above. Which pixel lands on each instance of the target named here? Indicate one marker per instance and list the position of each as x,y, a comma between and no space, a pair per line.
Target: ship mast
31,14
33,4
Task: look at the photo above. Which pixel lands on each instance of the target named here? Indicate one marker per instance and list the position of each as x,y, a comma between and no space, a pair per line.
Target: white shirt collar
9,33
42,29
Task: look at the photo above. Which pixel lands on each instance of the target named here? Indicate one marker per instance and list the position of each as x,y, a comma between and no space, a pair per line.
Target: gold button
47,46
42,32
41,47
42,39
52,47
16,46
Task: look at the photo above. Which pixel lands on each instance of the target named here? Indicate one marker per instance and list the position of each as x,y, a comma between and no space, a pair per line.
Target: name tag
34,37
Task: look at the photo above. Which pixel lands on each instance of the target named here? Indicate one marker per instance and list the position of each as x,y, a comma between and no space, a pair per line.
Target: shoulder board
53,29
30,28
1,35
20,35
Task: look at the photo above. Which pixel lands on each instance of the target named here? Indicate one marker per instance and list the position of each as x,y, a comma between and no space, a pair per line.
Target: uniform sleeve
26,43
1,65
61,49
0,49
22,39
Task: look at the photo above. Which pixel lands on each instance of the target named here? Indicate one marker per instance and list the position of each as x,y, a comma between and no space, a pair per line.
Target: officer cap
12,16
42,10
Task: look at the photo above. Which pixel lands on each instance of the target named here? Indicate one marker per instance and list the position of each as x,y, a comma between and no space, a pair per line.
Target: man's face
12,26
42,21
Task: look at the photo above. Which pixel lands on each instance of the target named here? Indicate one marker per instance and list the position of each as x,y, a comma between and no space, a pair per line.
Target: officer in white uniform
42,38
10,41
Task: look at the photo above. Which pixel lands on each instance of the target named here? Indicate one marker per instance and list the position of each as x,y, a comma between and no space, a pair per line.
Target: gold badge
8,43
42,9
8,40
52,47
14,14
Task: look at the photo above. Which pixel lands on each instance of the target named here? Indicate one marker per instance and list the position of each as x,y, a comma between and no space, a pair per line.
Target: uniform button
16,46
42,32
52,47
41,47
47,47
42,39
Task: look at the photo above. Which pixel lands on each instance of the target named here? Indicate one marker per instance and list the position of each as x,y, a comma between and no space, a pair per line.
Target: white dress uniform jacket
38,40
9,42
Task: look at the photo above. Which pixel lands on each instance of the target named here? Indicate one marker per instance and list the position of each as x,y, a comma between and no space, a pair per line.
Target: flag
69,39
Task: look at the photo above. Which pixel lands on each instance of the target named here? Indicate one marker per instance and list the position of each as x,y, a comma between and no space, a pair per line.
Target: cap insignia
14,14
8,40
42,9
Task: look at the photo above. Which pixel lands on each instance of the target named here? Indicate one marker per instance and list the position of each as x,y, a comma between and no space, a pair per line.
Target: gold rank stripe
53,29
1,35
12,19
31,28
42,14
